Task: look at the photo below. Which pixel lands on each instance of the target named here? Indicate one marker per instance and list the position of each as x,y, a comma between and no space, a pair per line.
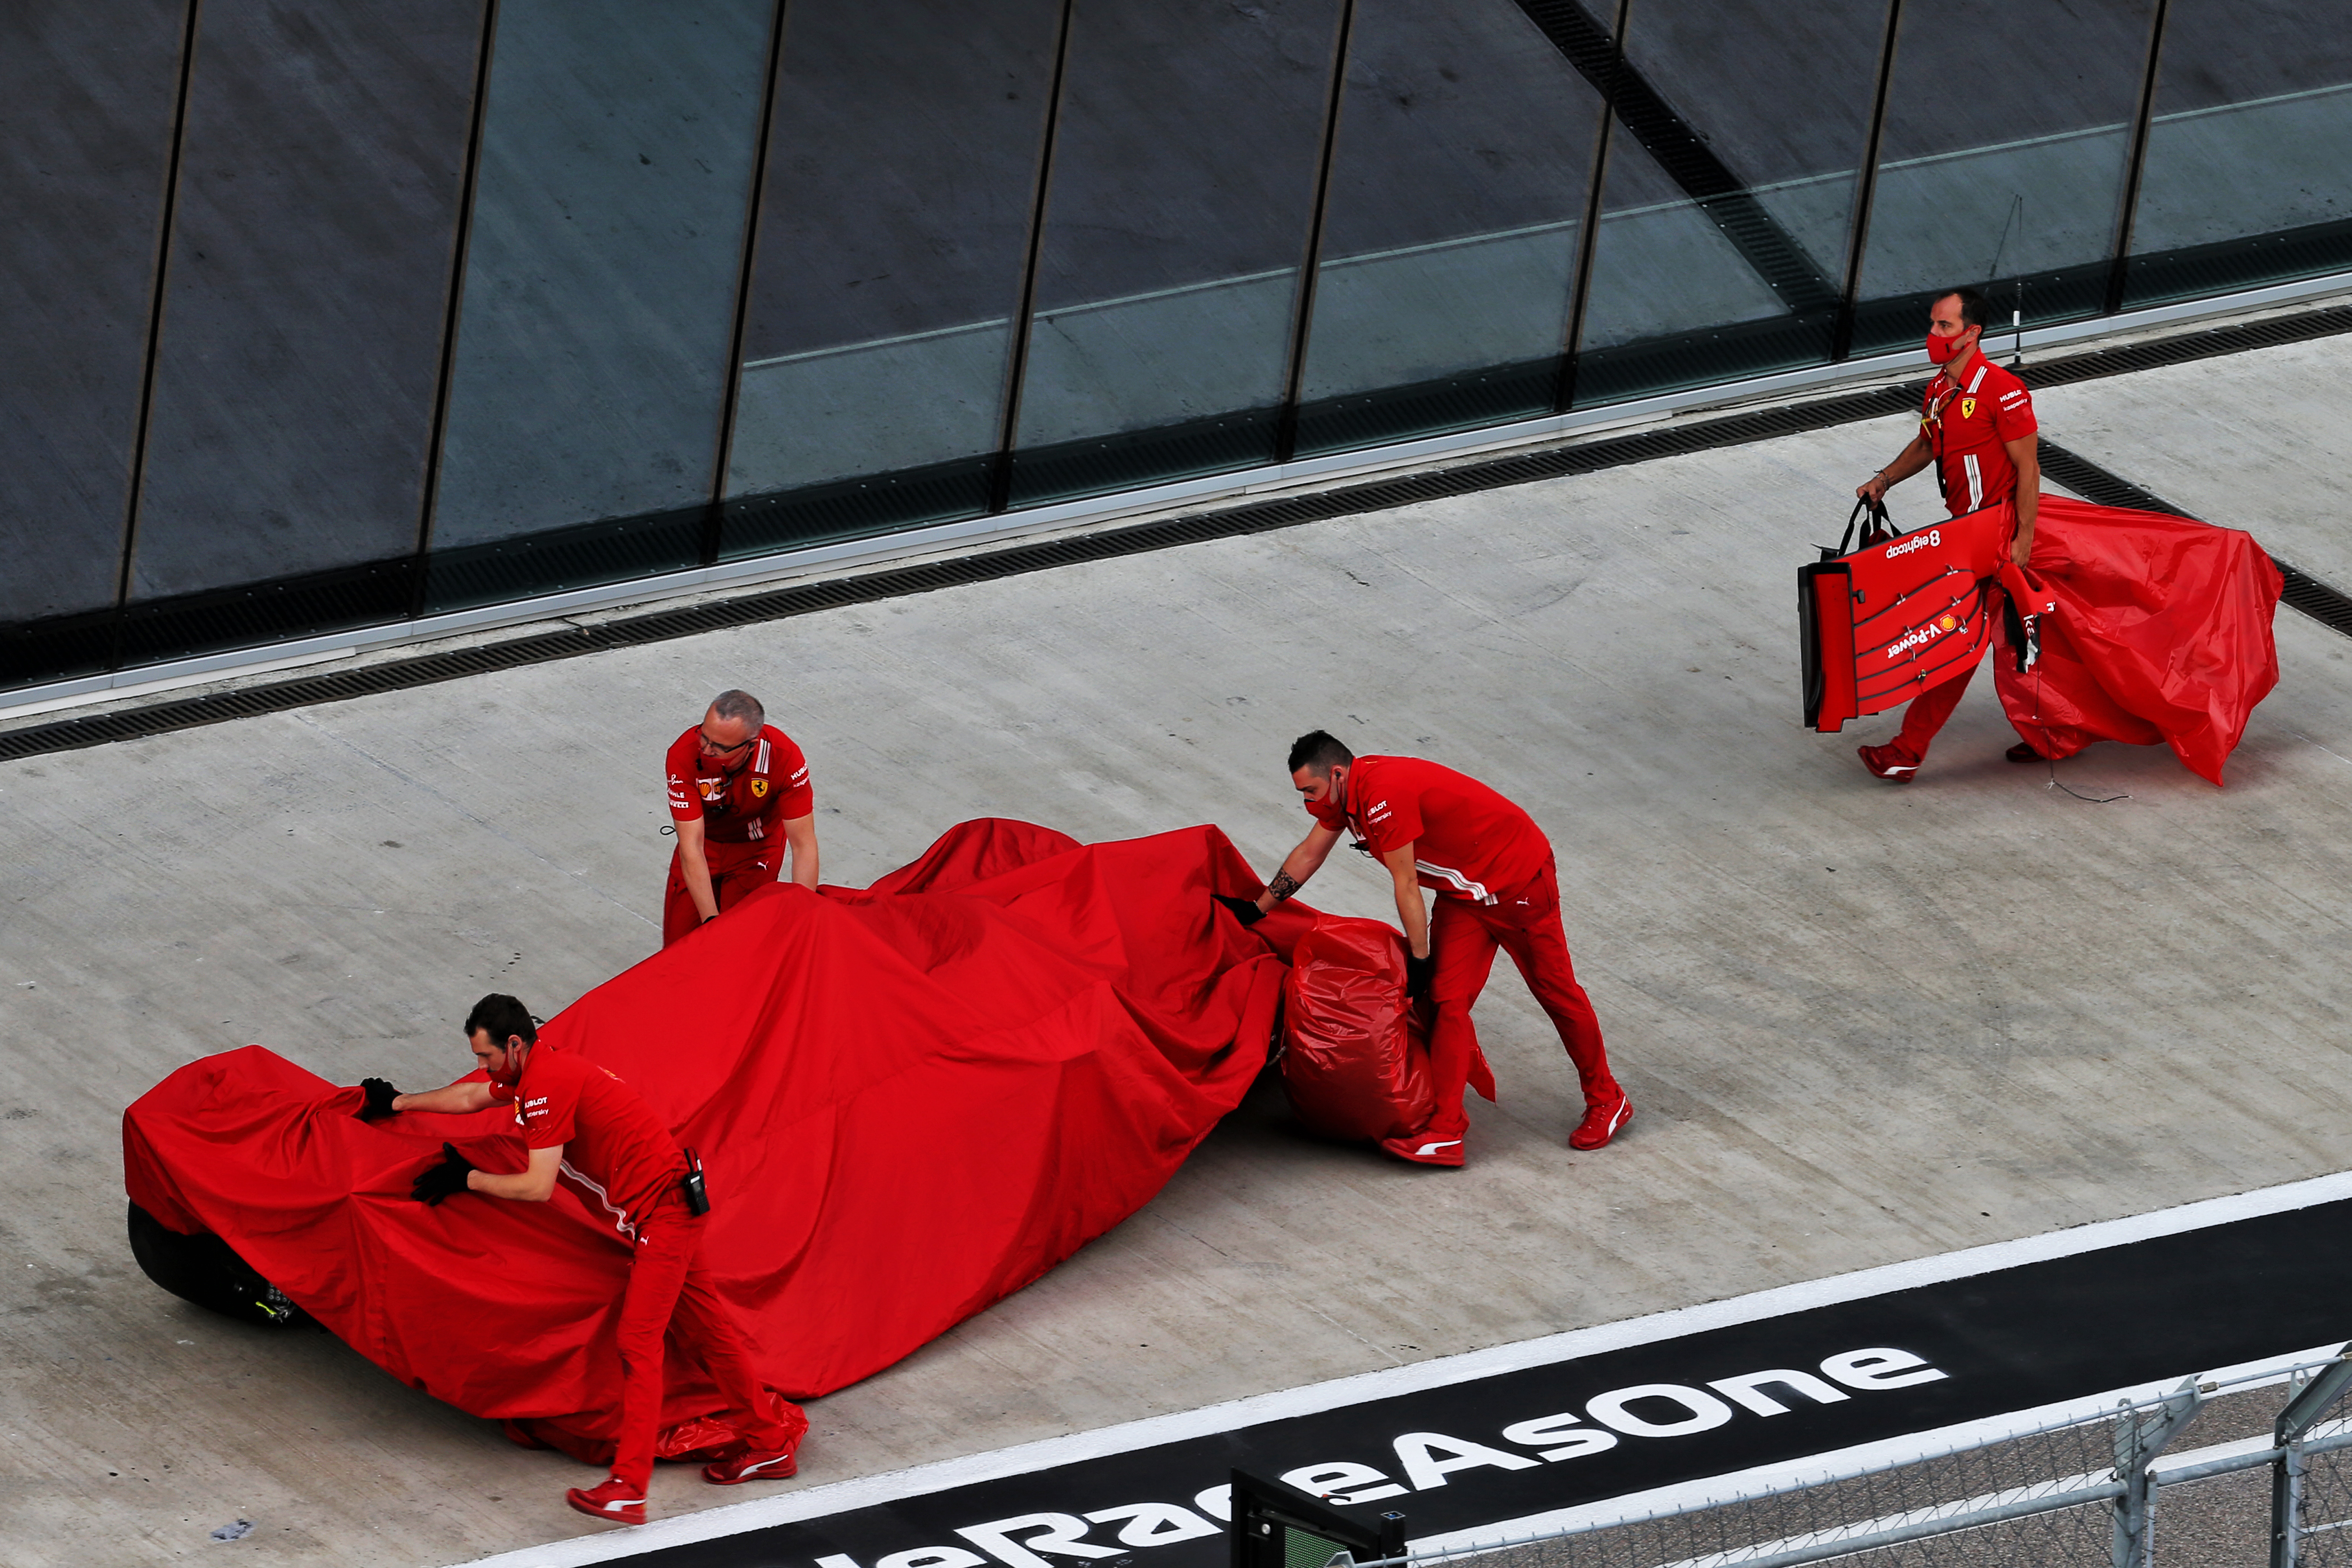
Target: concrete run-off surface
1862,1022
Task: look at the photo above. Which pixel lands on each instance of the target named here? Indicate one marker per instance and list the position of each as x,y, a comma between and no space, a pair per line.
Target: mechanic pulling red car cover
912,1099
1355,1052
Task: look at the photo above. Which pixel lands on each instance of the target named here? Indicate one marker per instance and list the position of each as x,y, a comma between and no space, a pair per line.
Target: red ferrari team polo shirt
616,1152
1966,423
1468,841
770,786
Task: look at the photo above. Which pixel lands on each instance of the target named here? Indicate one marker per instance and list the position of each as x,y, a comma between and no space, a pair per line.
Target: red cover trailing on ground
911,1101
2162,633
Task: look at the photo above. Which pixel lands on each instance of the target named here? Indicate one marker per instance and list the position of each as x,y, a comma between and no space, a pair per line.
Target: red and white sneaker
1601,1123
737,1466
1886,762
1426,1149
611,1502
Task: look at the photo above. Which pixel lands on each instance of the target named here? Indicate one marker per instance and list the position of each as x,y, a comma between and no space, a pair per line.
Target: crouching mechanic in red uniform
739,794
1977,425
586,1126
1497,885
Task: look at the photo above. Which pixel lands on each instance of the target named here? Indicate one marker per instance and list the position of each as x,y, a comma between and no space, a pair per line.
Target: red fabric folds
1355,1056
2162,632
911,1100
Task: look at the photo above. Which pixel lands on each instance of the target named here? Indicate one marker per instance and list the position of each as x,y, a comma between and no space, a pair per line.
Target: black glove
438,1182
380,1096
1418,974
1243,909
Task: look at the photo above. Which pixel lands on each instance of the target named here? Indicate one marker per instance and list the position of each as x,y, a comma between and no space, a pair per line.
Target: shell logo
1949,622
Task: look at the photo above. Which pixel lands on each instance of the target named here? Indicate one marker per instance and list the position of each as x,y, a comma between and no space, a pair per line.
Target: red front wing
1882,624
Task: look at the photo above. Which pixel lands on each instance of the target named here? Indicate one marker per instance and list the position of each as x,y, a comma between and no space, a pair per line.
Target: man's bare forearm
2026,453
1907,462
800,833
456,1100
1296,866
695,871
1412,910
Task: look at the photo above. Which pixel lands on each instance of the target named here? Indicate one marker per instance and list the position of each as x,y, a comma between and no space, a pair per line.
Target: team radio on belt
822,1125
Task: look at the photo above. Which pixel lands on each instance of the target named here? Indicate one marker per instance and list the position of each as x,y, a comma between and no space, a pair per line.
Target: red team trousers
735,870
1926,714
1525,923
670,1294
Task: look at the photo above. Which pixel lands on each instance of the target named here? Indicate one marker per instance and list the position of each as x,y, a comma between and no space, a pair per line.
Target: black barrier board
1472,1453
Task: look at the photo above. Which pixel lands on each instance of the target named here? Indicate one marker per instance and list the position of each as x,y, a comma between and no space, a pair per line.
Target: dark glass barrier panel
893,234
307,290
2007,142
1726,218
87,97
1458,189
2248,178
1185,160
184,625
555,560
604,263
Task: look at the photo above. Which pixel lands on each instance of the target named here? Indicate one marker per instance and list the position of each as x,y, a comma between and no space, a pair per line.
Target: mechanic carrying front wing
583,1124
1497,885
1977,425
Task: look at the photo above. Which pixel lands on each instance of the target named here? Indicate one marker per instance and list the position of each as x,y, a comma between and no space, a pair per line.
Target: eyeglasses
711,748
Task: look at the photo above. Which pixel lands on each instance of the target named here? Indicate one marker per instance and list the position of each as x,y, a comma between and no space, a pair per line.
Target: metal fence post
2138,1443
2302,1413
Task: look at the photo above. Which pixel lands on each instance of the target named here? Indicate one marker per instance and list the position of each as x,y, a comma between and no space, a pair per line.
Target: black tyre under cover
204,1269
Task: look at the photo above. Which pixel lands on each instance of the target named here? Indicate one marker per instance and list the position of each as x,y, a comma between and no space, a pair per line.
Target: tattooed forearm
1283,886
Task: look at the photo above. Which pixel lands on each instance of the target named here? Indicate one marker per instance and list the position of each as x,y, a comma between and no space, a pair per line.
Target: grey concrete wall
308,288
87,89
603,268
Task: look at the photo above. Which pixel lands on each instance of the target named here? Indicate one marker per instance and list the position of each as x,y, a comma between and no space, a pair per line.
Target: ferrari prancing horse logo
1968,407
759,789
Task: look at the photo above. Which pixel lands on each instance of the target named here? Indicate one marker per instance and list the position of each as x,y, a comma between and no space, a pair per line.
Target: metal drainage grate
2323,603
1377,495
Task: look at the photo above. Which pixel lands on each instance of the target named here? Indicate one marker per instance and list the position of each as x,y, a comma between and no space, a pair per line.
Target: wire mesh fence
2324,1511
2255,1473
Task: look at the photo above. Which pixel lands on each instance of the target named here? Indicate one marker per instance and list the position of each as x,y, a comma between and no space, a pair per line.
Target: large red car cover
2162,632
911,1101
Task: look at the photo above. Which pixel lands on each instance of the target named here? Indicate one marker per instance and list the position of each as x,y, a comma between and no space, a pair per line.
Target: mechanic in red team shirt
1495,884
739,792
1977,425
584,1126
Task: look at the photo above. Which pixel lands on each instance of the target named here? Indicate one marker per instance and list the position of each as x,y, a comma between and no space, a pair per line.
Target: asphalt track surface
1467,1453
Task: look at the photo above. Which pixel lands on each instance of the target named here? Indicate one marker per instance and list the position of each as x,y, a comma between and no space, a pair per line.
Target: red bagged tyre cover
1355,1056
